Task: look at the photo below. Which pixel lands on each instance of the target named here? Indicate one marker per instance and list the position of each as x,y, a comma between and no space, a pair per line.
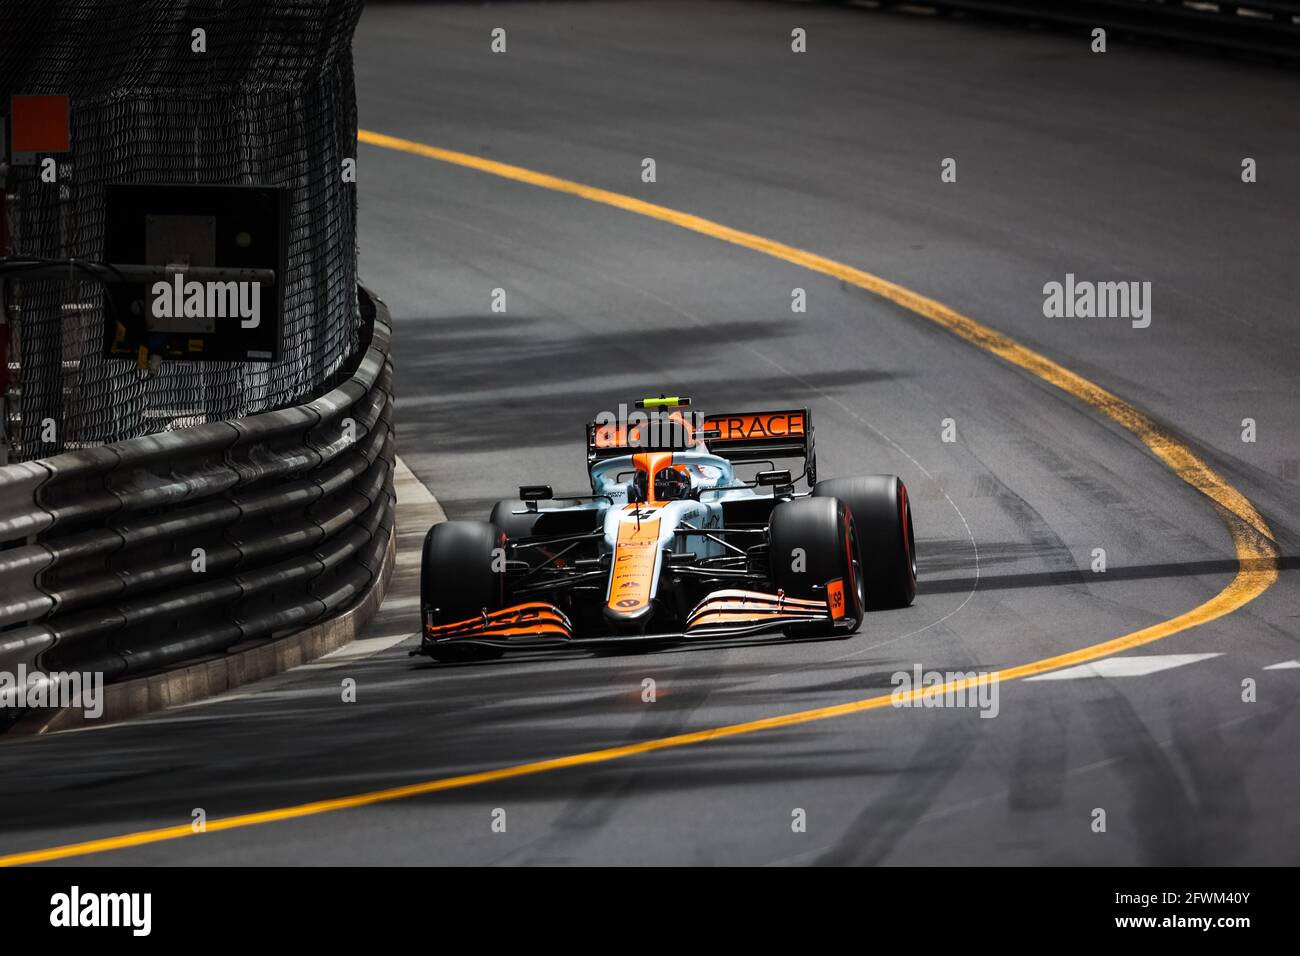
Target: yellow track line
1257,553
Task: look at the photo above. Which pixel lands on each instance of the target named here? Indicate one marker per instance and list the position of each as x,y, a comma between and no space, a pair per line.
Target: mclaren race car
672,544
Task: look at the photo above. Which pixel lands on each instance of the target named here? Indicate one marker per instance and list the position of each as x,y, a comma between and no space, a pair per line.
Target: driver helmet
672,484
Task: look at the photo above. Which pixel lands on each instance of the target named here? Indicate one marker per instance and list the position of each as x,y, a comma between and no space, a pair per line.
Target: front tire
812,541
882,515
458,581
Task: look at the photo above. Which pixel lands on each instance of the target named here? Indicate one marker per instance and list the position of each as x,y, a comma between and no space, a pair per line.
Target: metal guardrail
133,557
1270,27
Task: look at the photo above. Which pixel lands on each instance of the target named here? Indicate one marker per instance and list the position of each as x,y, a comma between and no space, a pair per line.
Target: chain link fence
268,100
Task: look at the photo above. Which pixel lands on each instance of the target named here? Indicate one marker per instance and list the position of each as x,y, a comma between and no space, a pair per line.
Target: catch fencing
179,92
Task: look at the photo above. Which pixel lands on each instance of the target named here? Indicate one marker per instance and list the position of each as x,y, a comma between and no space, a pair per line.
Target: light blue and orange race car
672,543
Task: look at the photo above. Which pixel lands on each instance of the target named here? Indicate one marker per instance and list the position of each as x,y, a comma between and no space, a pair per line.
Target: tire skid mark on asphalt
1256,550
1158,790
599,797
876,830
1271,720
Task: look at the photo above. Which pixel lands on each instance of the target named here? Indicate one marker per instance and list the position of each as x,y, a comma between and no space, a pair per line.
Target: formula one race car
671,545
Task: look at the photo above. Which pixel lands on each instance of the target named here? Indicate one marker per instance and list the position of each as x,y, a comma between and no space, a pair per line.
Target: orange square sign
39,124
835,598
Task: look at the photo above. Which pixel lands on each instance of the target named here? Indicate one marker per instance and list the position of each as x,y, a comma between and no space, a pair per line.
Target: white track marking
412,491
1134,666
1284,666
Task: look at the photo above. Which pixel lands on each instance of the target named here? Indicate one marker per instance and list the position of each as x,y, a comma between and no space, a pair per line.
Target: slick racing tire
457,581
812,541
882,516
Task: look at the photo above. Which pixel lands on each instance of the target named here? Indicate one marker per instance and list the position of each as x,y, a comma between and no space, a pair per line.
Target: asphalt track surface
1123,166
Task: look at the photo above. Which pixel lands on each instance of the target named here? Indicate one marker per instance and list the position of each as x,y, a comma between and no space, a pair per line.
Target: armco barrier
136,557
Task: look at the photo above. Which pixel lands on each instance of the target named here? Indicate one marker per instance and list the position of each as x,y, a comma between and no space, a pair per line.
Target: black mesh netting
271,102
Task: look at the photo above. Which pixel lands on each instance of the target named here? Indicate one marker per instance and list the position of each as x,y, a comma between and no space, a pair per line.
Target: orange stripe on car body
636,552
792,616
540,628
510,615
652,463
477,626
531,616
758,597
758,610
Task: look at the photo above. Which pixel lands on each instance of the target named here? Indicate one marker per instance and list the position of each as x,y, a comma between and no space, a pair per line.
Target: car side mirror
769,478
531,494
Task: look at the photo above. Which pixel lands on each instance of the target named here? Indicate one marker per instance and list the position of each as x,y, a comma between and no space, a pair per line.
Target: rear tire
882,515
457,581
823,530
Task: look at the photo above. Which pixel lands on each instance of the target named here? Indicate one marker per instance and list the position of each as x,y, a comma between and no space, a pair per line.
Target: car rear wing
739,437
759,436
